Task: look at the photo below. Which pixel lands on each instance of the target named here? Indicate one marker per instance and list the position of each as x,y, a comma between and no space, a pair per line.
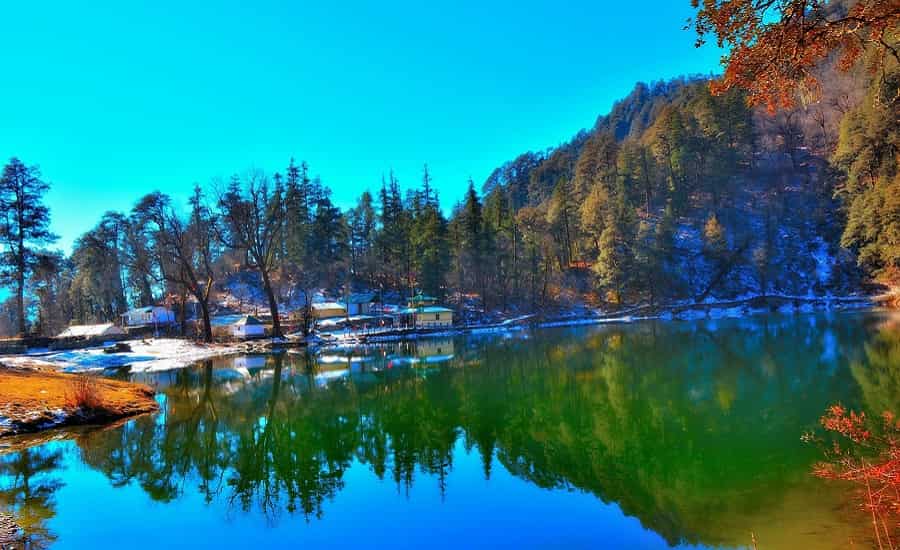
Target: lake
643,435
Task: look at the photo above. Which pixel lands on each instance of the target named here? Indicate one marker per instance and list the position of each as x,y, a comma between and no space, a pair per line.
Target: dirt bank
33,400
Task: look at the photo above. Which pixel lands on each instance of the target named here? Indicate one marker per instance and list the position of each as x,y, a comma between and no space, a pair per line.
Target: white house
92,331
248,326
150,315
429,316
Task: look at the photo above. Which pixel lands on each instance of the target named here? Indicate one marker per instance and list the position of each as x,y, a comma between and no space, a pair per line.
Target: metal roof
78,331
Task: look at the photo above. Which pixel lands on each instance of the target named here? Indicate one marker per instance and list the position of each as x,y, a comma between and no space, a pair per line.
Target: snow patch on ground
152,355
58,417
591,321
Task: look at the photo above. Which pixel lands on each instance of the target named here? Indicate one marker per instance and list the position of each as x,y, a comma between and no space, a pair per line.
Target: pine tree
362,222
328,241
49,282
24,228
429,240
501,223
296,214
593,216
393,241
616,255
561,216
474,245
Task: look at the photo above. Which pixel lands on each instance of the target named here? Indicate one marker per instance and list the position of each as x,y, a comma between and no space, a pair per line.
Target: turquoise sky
115,99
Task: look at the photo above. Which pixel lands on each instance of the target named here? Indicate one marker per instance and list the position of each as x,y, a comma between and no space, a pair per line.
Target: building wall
326,313
442,319
359,309
249,331
158,315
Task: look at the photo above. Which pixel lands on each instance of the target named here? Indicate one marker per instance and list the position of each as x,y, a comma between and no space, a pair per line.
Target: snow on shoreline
157,354
161,354
710,309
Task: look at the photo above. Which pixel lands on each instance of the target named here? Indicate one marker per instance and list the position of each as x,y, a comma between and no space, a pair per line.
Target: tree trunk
183,311
20,299
515,263
273,304
207,325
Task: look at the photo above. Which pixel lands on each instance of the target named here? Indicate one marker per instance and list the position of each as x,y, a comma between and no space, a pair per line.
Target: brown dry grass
85,394
30,397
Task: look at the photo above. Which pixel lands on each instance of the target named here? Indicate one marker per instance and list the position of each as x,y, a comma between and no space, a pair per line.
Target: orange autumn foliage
775,45
870,459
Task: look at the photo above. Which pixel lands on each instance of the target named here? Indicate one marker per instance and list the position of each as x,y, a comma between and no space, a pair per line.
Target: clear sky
115,99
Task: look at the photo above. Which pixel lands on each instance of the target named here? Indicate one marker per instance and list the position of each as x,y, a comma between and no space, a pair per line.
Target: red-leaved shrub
869,458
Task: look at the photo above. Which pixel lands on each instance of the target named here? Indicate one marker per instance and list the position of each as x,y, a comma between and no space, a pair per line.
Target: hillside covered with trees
689,190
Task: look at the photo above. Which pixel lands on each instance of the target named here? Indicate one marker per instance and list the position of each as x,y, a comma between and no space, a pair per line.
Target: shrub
866,453
85,394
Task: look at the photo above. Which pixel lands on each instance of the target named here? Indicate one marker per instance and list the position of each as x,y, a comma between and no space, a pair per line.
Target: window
437,316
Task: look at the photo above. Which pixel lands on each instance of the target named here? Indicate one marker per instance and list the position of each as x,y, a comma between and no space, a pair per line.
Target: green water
645,435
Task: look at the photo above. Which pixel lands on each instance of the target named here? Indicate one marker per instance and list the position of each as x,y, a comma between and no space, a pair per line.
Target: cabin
429,316
237,326
148,316
360,303
248,327
221,324
91,332
326,310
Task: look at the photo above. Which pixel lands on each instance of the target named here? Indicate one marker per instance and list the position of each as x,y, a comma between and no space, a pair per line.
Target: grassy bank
34,400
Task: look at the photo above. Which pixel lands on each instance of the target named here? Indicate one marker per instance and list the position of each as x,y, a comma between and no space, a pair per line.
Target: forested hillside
681,195
687,191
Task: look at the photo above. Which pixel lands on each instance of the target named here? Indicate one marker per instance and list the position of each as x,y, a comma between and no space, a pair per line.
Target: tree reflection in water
27,488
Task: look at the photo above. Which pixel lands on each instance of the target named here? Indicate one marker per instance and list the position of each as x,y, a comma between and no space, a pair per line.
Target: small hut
238,326
248,327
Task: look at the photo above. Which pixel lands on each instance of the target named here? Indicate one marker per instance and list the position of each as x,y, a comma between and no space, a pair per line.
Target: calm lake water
648,435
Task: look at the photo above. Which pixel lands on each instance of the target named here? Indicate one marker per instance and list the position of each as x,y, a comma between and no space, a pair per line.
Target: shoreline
163,354
687,311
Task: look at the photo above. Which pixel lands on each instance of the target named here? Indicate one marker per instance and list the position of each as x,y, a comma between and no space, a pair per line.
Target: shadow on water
692,428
